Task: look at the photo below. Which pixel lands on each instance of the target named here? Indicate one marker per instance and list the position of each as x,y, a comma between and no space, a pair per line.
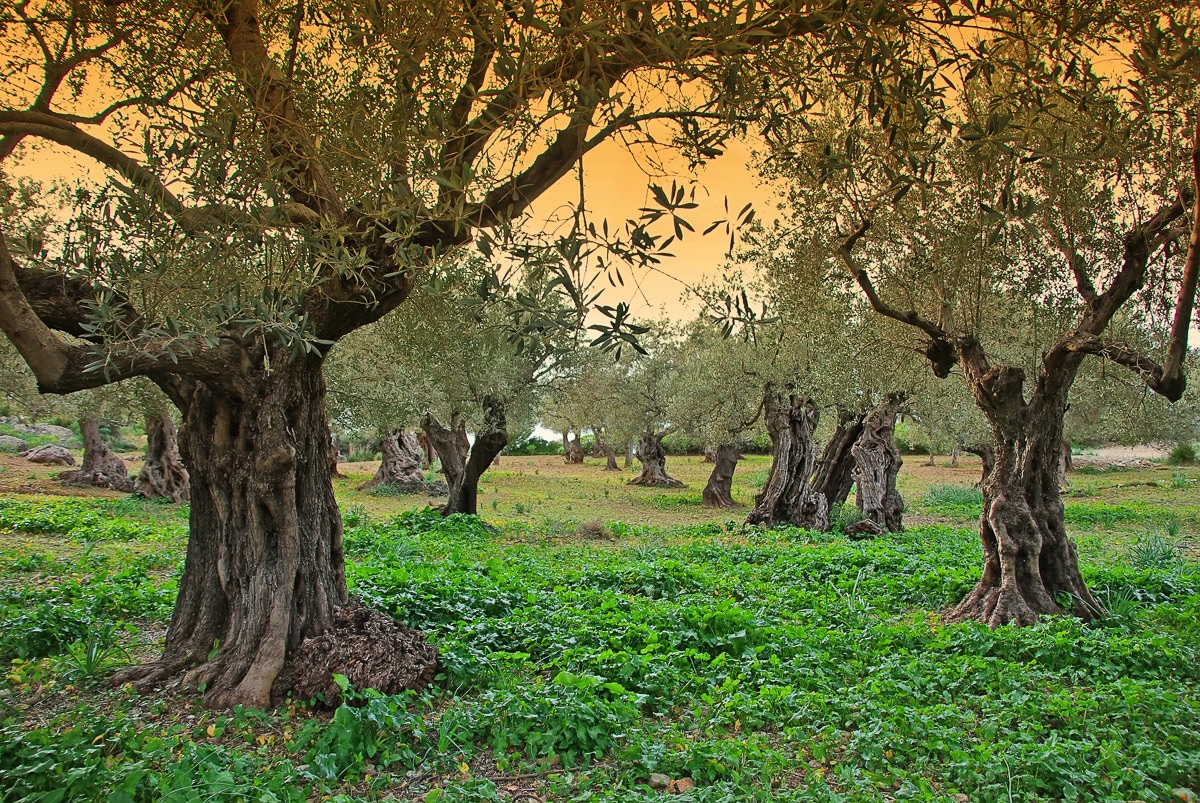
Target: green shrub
1184,453
954,499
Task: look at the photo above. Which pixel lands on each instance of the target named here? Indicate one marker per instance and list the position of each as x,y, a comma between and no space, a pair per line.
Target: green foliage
90,519
909,440
843,515
1183,454
530,444
954,500
738,657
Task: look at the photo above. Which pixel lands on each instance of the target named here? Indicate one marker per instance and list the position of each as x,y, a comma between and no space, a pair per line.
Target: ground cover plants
585,656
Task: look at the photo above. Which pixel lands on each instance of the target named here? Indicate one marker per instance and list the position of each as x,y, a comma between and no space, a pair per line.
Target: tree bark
834,473
629,454
1030,567
427,452
163,475
572,449
719,490
401,465
610,454
101,468
332,457
876,464
463,469
1065,464
654,463
264,571
787,497
710,454
954,453
986,452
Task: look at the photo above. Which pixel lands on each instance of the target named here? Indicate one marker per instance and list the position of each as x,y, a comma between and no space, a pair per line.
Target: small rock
659,781
683,785
49,455
12,445
1183,794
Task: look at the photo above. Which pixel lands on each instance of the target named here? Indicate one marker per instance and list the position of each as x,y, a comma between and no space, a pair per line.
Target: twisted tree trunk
1030,567
833,476
719,490
654,463
163,475
877,462
788,497
463,471
572,449
264,571
101,468
401,465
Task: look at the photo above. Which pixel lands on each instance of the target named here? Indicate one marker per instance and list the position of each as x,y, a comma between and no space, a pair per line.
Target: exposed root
369,647
147,677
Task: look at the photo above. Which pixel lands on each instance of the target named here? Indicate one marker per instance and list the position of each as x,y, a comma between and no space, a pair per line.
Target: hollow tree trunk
876,464
101,468
427,452
834,472
163,475
489,440
787,497
1030,565
444,443
654,463
719,490
572,449
263,607
401,464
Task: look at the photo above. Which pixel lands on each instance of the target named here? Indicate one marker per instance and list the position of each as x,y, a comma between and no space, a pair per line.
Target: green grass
762,664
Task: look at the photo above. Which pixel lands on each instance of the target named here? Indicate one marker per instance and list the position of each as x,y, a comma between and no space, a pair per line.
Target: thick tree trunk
629,454
787,497
491,438
263,607
572,449
610,454
444,442
834,475
654,463
427,453
101,468
876,464
1030,568
719,490
401,465
163,475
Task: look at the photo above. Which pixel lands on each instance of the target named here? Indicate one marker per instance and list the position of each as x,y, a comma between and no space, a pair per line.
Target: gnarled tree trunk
876,464
572,449
833,476
719,490
463,471
264,570
163,475
1030,568
788,497
986,452
428,455
610,455
101,468
654,463
401,465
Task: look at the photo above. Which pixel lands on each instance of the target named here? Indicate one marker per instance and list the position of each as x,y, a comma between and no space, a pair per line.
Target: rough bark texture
1030,568
629,455
572,449
610,455
654,463
264,570
710,454
401,465
787,496
101,468
463,470
1066,463
163,475
986,452
834,475
876,464
428,455
719,490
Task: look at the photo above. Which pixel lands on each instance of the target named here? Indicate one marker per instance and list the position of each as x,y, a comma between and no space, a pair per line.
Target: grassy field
599,641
